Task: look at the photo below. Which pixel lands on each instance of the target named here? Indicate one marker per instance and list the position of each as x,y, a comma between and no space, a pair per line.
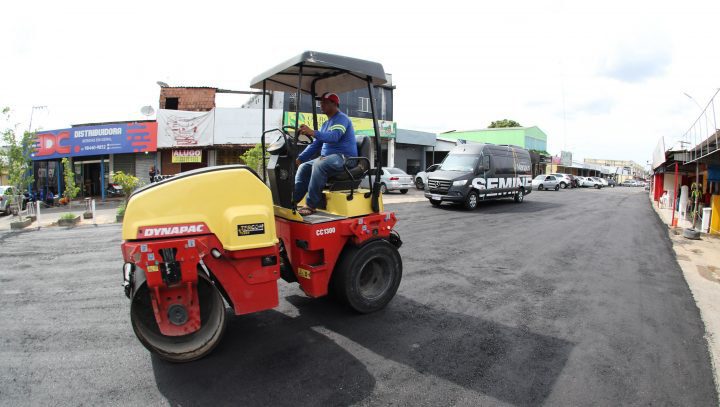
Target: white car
422,176
544,181
592,182
391,179
603,181
564,180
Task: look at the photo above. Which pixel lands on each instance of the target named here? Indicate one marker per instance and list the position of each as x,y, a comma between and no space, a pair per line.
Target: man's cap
331,97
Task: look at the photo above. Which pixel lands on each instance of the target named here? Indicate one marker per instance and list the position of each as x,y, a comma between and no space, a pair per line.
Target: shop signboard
362,126
179,128
80,141
186,156
566,158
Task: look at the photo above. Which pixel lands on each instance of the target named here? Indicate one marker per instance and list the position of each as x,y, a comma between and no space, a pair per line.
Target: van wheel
557,187
520,195
403,191
435,202
419,183
540,187
471,201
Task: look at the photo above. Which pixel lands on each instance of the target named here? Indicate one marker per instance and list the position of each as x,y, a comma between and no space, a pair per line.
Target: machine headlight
459,183
127,270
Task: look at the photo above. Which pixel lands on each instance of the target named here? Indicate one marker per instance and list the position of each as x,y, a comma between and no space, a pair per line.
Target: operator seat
356,168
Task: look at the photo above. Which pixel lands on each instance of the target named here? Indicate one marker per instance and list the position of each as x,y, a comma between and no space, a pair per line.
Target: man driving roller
334,141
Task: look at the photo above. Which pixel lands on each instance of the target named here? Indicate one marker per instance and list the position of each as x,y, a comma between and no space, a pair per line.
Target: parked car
629,183
564,180
574,182
544,181
603,181
611,182
422,176
7,194
391,179
592,182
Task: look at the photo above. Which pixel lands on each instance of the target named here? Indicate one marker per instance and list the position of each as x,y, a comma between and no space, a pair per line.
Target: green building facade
531,138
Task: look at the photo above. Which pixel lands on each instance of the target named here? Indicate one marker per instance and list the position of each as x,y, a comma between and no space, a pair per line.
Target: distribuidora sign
80,141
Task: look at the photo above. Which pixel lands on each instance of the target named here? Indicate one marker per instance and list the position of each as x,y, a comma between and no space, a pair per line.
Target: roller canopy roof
337,74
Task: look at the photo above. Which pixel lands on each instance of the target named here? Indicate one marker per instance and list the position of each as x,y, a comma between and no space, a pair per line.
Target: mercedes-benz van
474,172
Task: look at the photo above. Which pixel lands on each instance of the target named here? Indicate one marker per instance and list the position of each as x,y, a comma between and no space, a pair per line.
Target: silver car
391,179
545,181
422,176
7,197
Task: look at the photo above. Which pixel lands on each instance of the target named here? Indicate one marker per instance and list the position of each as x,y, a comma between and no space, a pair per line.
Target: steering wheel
297,135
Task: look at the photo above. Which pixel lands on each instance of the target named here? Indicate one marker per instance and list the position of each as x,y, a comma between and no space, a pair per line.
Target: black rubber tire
557,187
366,278
597,186
435,202
419,183
403,191
383,188
471,201
563,185
520,195
185,348
540,187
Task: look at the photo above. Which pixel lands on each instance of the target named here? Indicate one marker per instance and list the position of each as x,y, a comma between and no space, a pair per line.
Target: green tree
253,156
503,123
71,190
128,182
16,157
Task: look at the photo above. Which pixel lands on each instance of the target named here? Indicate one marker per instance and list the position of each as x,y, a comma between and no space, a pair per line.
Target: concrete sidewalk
105,212
700,263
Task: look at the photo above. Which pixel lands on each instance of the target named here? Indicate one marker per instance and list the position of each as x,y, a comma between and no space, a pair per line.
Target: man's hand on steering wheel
307,131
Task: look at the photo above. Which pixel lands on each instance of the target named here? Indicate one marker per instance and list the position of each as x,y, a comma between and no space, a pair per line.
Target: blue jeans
312,175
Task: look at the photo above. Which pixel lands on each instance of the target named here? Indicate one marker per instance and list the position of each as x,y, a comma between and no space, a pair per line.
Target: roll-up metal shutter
143,162
124,163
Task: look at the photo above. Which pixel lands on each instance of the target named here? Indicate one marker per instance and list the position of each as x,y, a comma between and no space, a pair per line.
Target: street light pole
693,99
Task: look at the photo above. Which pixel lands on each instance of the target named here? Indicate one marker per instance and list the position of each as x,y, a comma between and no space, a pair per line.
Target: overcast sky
602,79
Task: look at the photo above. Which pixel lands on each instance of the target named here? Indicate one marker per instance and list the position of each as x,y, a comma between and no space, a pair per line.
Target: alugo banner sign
187,156
95,140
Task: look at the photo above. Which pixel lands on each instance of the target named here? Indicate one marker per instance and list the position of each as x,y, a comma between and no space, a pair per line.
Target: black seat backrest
363,146
343,180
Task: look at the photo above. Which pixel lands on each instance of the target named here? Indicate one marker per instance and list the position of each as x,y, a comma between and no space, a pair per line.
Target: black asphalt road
570,298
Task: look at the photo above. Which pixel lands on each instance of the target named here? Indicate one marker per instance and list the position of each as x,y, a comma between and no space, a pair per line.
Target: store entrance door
91,180
88,177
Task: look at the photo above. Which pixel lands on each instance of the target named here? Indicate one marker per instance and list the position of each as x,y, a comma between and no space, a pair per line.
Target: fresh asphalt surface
570,298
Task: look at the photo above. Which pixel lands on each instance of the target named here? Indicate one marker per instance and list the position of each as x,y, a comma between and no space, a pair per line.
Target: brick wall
191,99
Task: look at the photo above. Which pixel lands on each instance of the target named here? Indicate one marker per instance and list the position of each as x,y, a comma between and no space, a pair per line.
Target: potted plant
695,193
128,183
70,192
68,219
120,214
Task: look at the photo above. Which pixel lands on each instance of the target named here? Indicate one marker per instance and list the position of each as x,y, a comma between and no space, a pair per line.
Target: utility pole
697,168
33,112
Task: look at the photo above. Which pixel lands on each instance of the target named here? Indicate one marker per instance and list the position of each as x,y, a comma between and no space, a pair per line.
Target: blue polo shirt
336,136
